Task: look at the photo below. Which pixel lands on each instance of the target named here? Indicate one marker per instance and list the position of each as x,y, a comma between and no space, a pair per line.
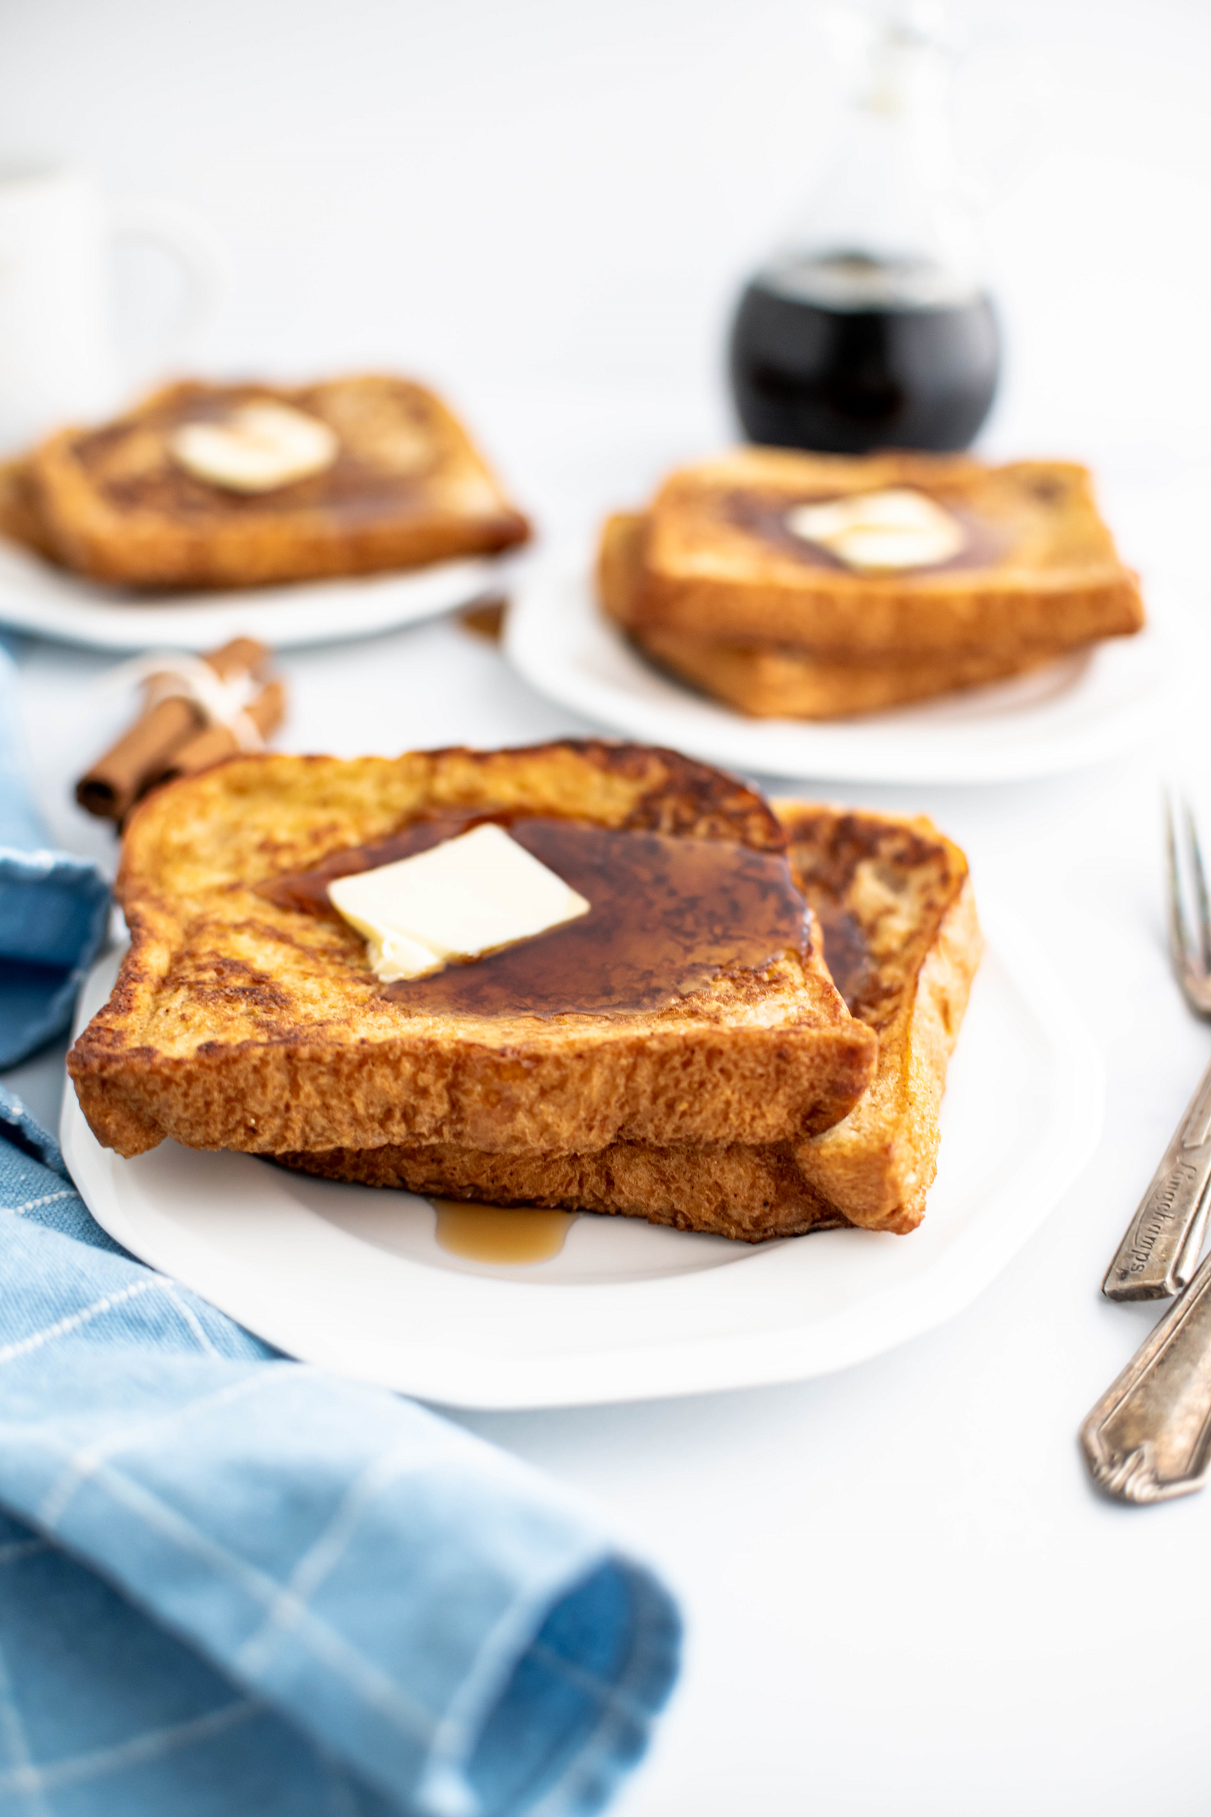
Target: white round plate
38,598
1079,710
353,1279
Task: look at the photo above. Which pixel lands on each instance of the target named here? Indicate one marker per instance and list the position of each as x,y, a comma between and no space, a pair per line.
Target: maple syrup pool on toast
844,354
667,916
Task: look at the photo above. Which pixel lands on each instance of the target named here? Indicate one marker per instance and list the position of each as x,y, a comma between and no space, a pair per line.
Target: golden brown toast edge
781,683
235,1023
747,1193
882,1157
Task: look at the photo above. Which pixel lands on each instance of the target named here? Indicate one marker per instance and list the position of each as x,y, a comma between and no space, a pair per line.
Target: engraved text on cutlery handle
1160,1250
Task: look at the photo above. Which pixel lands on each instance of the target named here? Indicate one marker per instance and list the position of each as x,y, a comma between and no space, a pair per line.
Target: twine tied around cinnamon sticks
196,711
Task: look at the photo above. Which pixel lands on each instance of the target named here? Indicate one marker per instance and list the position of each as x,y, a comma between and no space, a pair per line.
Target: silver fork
1191,960
1149,1437
1161,1248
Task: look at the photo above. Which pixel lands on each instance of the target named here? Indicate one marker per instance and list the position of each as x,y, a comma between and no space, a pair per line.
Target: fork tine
1200,891
1189,949
1178,948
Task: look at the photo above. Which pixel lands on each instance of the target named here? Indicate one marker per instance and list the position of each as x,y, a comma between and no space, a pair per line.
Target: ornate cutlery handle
1149,1437
1161,1248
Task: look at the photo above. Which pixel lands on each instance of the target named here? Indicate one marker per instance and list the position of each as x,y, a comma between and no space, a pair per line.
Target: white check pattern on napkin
229,1582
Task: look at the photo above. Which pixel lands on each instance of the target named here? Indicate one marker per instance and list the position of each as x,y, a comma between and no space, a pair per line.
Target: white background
903,1596
538,192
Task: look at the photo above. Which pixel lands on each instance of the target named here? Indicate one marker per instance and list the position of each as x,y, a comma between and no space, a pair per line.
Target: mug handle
201,257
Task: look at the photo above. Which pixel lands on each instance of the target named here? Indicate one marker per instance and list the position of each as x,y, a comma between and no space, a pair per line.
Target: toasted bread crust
905,945
908,889
775,683
408,487
747,1193
237,1023
1050,577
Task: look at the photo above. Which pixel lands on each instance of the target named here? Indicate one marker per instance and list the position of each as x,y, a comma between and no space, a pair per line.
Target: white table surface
903,1596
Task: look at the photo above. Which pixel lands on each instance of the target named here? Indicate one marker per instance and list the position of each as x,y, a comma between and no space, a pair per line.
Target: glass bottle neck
885,225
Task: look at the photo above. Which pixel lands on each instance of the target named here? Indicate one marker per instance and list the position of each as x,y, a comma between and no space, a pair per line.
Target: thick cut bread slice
240,1022
901,936
775,683
406,487
1039,568
770,680
903,941
728,1190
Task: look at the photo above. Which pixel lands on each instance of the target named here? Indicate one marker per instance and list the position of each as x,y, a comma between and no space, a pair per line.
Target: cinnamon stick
141,755
113,784
213,743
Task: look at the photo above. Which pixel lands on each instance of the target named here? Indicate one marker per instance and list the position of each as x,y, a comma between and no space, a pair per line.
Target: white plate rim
485,1380
553,611
41,602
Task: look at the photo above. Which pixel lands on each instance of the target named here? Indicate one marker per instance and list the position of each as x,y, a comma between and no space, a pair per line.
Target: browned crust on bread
238,1023
1051,579
620,564
748,1194
408,487
903,940
908,889
768,682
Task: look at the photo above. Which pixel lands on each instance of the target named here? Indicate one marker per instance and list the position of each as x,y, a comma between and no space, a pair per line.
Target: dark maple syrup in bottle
834,354
873,328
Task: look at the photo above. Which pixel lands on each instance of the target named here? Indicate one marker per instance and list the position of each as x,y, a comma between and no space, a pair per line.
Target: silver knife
1160,1251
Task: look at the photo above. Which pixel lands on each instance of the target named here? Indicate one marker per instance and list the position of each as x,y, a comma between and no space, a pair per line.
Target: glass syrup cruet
872,326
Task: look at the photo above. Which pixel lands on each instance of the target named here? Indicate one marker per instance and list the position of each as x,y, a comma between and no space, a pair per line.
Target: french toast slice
246,1016
902,939
1038,567
769,680
404,486
895,905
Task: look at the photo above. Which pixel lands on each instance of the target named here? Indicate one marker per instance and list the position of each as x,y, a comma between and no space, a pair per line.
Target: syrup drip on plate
511,1234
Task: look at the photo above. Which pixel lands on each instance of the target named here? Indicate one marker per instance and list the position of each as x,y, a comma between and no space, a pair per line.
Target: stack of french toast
737,1018
821,586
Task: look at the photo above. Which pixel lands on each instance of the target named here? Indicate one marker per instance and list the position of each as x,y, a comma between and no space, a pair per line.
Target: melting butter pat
463,898
259,447
881,532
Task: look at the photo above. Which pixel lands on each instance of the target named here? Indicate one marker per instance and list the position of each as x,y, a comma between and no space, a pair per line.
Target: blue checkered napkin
231,1584
53,907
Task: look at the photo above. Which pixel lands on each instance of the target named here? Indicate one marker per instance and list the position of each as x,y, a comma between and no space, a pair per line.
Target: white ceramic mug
59,359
